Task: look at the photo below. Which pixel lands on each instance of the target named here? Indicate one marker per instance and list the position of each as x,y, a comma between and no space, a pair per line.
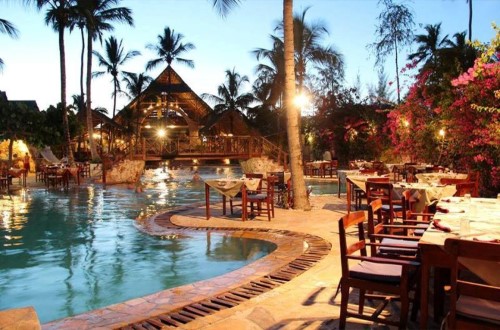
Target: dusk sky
31,62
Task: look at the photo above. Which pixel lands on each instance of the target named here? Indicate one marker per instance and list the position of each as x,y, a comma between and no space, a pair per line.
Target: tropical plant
135,85
113,59
301,201
429,45
229,94
169,48
98,15
395,30
8,28
57,15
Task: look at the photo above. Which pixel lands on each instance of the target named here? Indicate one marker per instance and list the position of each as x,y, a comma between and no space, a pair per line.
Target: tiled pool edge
296,253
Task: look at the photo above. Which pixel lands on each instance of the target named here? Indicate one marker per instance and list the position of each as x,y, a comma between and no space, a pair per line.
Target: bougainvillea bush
467,108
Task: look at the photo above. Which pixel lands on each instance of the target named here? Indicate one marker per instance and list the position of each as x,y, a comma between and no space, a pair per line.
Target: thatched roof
170,84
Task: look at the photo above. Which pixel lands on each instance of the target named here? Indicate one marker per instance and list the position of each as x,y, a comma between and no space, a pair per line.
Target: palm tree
230,97
429,45
169,48
272,75
98,14
395,29
462,50
135,85
9,29
57,15
299,187
308,48
115,57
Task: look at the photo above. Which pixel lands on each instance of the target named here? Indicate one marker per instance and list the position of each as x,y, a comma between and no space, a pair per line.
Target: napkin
446,210
438,225
487,239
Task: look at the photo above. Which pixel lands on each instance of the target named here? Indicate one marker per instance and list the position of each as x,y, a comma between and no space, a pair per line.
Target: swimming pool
69,252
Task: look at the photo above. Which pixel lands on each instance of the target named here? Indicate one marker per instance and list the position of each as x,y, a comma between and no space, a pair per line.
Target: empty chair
263,201
392,279
466,188
473,304
332,168
392,245
238,195
384,190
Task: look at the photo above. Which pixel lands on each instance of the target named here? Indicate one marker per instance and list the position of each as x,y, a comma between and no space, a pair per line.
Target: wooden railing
240,147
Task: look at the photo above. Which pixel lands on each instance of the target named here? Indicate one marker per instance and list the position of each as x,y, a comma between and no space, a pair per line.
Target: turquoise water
67,252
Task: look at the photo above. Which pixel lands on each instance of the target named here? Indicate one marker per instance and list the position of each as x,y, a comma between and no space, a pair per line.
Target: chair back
460,250
375,222
378,188
449,181
256,176
466,188
354,219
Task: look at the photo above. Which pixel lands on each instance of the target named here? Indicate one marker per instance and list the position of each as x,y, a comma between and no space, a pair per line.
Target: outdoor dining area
424,236
60,174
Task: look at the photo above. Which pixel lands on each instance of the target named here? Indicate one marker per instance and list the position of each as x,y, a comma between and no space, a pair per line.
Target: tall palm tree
112,60
9,29
462,50
299,187
57,15
98,15
229,94
429,45
78,21
169,48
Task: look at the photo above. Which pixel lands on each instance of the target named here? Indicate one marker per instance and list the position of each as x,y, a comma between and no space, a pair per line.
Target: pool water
67,252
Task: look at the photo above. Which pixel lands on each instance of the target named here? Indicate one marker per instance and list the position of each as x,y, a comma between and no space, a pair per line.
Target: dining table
424,194
18,173
434,177
229,188
464,218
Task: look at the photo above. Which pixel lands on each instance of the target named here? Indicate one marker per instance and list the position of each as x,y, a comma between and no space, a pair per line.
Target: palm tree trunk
62,55
90,125
81,102
470,20
300,200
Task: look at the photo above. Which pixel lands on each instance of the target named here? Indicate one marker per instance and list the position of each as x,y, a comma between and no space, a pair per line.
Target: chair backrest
451,180
378,188
346,222
375,223
271,183
466,188
256,176
379,166
460,250
280,177
368,171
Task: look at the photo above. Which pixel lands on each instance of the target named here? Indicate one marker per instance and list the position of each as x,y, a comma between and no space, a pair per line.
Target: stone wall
126,171
260,165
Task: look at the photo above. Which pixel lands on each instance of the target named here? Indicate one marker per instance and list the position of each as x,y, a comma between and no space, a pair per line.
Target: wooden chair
332,168
263,200
384,190
390,278
466,188
419,219
358,193
54,176
238,195
451,181
391,245
39,172
473,304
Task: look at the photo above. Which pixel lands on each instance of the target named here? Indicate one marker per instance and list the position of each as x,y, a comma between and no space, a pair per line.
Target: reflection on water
69,252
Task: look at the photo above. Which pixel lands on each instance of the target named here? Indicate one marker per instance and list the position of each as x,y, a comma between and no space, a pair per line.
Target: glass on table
467,198
464,226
